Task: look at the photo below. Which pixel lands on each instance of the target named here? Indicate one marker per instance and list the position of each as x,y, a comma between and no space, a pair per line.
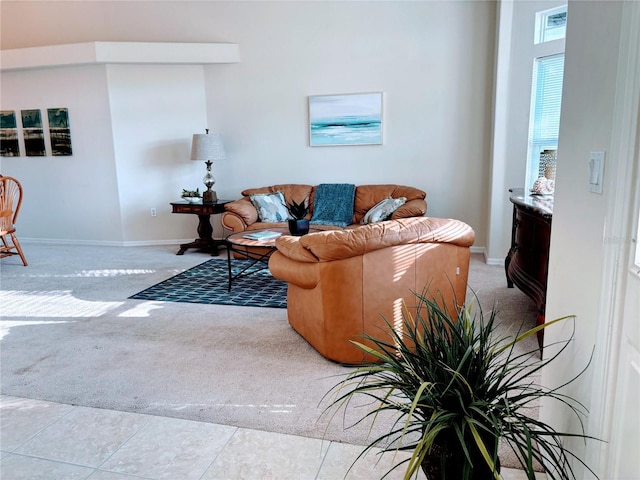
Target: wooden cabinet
527,263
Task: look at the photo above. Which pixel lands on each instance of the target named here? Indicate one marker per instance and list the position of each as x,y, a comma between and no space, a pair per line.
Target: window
546,92
551,24
545,111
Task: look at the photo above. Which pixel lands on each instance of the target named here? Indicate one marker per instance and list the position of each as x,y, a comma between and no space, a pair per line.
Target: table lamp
208,147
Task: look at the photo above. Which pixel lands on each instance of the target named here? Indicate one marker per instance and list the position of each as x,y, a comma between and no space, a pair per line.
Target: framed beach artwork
349,119
59,131
9,146
33,133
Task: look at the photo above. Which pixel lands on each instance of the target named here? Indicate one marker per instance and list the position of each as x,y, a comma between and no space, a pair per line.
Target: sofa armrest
303,274
413,208
239,215
292,248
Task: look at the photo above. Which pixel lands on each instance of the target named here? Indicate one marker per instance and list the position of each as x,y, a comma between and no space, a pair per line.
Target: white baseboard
103,243
495,261
487,260
146,243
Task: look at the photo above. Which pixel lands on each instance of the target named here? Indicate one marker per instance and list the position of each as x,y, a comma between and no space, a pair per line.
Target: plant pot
446,460
299,227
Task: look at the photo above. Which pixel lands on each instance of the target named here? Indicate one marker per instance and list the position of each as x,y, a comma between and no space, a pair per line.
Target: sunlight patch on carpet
51,303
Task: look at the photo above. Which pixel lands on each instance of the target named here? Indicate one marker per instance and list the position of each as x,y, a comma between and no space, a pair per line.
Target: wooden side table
205,240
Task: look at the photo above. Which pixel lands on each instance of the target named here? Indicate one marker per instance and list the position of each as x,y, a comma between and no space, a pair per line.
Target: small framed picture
9,146
33,133
348,119
59,131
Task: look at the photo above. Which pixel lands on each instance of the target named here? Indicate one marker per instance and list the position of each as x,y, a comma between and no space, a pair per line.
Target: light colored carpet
70,335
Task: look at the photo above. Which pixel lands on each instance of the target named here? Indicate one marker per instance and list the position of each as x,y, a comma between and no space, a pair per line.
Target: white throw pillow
271,207
383,210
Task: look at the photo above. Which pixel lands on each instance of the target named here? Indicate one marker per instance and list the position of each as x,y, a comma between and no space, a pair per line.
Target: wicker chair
10,201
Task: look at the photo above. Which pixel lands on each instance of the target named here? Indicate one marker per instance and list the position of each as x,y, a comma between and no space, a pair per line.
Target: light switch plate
596,171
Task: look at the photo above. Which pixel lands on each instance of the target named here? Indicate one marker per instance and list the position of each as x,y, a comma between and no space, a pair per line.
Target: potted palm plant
457,389
298,224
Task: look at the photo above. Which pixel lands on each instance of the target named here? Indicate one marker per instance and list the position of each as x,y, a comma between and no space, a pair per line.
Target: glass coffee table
257,251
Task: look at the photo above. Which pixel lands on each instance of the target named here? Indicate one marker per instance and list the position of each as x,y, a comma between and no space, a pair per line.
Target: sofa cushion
413,208
383,210
271,207
367,196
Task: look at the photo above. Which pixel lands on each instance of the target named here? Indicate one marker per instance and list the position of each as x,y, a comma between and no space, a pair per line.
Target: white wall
72,197
155,109
580,219
131,128
433,60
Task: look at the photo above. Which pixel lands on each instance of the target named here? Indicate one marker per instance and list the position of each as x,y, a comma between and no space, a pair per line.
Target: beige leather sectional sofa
341,282
241,215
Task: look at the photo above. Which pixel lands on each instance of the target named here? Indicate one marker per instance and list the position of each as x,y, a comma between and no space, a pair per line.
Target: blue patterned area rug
208,283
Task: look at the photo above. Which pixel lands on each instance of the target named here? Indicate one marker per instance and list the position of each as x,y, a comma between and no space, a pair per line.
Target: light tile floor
51,441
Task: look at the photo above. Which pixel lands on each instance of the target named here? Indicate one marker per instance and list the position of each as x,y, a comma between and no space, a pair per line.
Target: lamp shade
207,146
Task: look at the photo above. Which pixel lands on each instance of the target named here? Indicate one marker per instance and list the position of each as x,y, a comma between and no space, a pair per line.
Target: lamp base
209,196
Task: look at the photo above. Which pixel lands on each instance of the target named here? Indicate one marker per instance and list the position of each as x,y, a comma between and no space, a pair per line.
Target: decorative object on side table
208,147
458,388
545,184
548,161
298,224
191,196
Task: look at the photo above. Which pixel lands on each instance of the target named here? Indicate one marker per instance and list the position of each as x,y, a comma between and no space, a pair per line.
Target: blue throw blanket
333,204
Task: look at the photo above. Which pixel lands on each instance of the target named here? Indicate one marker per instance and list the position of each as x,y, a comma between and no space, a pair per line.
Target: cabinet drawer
532,240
